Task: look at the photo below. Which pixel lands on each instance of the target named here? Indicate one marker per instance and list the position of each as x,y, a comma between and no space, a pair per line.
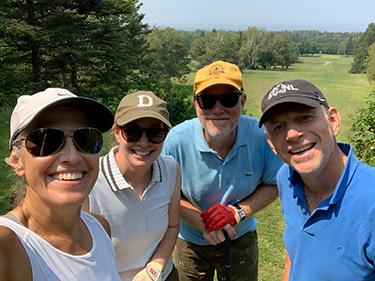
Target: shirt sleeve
170,145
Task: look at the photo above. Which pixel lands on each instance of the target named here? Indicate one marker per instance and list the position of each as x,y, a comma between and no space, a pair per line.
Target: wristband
240,211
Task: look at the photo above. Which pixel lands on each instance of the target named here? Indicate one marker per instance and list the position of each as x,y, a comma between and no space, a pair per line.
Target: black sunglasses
47,141
207,101
133,133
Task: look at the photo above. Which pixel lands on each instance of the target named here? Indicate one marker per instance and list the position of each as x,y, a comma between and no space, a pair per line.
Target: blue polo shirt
206,176
337,240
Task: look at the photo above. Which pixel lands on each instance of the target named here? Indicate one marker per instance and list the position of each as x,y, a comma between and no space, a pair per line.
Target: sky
271,15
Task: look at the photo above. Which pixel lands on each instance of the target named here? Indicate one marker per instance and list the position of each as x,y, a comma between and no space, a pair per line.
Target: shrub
6,174
371,63
363,132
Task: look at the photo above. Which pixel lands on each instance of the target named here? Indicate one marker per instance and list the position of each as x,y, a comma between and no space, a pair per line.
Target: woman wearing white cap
55,140
138,190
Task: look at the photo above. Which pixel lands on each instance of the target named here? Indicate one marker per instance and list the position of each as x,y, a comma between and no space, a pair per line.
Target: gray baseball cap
28,107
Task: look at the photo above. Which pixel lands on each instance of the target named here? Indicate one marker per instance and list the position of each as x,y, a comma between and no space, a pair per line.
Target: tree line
256,48
102,49
364,59
96,48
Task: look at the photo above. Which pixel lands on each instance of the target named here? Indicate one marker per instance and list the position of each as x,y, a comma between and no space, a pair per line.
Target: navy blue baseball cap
292,91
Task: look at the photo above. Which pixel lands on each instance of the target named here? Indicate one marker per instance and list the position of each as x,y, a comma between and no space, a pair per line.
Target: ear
16,161
195,103
116,131
243,100
196,106
270,143
335,120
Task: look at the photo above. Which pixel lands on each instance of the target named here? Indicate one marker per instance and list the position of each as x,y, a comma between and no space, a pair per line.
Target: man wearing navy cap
327,195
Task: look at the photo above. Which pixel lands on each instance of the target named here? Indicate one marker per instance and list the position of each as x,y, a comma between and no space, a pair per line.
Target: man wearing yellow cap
228,173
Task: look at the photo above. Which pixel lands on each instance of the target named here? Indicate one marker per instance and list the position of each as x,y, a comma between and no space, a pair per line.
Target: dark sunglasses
133,133
47,141
207,101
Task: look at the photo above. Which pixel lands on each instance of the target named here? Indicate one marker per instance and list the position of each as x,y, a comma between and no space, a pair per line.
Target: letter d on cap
144,101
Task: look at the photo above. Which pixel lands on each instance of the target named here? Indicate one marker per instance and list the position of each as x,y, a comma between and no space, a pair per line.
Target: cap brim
138,114
297,100
98,113
219,81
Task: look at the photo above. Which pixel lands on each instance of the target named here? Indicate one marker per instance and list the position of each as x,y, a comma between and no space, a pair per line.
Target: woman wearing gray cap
54,143
138,190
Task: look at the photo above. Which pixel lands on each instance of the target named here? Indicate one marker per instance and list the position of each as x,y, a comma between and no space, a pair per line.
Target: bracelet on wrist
240,211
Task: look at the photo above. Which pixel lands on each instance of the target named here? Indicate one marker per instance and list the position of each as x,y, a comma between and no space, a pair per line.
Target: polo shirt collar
114,177
243,133
351,166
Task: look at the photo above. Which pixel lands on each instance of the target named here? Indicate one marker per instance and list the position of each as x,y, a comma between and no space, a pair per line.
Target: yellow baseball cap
218,72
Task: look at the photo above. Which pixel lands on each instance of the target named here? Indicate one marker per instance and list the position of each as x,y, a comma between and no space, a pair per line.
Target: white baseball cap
28,107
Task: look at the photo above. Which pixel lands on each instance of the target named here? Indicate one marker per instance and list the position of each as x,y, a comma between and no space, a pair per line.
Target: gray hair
18,190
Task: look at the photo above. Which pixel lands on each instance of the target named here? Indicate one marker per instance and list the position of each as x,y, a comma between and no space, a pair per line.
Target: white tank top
51,264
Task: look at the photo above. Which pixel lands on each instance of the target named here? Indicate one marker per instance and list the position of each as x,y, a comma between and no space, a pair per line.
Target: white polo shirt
137,224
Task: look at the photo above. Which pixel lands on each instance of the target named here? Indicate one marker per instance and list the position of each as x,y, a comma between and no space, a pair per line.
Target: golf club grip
227,257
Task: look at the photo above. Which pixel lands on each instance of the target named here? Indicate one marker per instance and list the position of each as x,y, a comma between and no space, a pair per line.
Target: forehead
146,122
289,109
219,89
62,117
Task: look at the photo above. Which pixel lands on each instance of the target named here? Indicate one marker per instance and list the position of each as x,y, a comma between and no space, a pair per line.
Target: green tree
346,46
363,132
313,41
15,74
217,45
198,49
92,47
361,54
168,52
179,103
371,62
253,42
267,58
284,50
306,47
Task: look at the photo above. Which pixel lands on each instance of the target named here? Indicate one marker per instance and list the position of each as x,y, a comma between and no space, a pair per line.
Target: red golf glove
219,215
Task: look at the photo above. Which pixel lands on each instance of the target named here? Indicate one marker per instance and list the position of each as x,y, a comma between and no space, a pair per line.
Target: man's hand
152,272
220,215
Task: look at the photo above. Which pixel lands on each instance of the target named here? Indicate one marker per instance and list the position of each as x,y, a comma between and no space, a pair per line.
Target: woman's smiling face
64,178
